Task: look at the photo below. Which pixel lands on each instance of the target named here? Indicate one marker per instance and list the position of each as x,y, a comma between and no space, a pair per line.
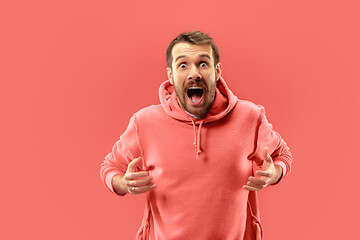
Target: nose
194,73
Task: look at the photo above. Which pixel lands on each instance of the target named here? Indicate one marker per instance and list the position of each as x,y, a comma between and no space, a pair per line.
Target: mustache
196,83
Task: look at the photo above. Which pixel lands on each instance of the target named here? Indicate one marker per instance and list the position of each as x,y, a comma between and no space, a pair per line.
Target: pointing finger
266,154
132,164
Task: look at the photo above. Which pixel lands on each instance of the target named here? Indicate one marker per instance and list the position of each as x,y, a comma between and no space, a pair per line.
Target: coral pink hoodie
199,166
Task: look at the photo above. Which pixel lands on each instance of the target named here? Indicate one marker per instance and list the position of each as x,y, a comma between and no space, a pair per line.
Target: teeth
195,88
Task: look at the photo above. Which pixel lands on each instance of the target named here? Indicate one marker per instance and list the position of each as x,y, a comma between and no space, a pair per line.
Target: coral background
73,73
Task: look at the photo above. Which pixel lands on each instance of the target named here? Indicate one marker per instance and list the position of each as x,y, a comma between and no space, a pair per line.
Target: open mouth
195,94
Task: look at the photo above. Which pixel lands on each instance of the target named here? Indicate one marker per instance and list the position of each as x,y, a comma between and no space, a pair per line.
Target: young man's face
194,77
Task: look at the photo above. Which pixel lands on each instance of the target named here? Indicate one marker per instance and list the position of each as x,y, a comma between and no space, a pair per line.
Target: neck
194,116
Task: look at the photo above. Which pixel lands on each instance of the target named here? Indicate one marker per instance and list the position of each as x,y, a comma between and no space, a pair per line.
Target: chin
201,112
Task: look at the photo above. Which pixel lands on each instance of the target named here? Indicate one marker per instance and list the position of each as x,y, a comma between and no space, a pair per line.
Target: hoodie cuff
108,180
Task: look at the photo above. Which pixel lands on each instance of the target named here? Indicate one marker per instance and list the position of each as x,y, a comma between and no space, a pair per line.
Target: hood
223,103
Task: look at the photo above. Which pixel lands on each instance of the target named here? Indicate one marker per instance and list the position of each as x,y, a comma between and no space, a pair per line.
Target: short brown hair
193,37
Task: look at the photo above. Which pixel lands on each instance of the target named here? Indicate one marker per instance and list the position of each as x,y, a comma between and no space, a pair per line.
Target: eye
182,65
203,64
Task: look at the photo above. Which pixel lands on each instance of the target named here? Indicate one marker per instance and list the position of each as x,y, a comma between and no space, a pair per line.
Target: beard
198,111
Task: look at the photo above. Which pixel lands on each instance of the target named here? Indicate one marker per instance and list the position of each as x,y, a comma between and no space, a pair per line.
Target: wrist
279,172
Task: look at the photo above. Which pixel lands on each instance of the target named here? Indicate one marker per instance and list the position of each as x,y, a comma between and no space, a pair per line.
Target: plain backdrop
73,73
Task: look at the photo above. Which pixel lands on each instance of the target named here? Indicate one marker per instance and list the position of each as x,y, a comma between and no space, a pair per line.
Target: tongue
196,96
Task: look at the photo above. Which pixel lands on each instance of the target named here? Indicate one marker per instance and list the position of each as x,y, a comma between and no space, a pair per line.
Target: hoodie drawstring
197,139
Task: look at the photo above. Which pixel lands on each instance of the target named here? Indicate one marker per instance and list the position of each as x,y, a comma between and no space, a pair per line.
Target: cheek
212,89
209,74
181,75
178,79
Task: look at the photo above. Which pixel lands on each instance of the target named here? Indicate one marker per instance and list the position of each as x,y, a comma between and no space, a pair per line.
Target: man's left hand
270,174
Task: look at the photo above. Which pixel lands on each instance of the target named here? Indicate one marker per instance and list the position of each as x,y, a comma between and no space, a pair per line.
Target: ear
218,71
170,76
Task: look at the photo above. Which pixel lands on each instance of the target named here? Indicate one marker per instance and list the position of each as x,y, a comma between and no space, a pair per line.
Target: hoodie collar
223,103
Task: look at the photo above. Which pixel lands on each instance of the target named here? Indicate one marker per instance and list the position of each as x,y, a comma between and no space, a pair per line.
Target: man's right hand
133,182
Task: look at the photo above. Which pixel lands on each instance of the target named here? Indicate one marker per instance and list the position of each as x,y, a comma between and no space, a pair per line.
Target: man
193,154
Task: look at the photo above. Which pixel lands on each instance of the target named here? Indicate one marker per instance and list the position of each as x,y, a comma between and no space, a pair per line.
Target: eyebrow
202,55
181,56
205,55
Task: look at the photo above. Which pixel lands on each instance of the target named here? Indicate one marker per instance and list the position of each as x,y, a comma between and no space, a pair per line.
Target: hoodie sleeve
123,152
266,137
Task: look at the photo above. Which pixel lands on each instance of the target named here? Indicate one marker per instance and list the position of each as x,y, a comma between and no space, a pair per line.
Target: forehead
189,50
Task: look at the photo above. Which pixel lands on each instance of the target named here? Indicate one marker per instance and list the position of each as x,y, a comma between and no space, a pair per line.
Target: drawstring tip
197,154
